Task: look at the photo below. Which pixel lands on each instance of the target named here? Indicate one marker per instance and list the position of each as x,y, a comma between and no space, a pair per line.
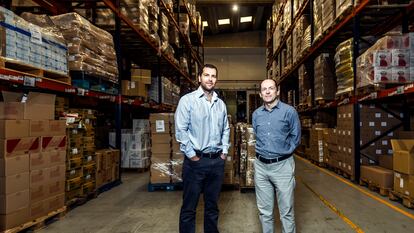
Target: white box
382,58
400,57
382,74
400,74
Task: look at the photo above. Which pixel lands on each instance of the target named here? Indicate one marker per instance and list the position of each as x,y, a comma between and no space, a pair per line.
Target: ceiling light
246,19
205,24
223,21
235,7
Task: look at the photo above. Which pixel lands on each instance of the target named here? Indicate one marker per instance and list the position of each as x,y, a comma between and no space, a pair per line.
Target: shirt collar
277,105
200,93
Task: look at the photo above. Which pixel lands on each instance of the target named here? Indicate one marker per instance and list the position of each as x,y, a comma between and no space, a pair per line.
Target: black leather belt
212,155
275,160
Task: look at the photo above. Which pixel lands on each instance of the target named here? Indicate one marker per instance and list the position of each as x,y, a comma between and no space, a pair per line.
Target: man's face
208,79
268,91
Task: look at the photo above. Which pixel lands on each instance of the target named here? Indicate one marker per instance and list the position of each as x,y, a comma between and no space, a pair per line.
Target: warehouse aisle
130,208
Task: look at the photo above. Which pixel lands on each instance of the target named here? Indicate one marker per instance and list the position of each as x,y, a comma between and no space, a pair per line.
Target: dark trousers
205,175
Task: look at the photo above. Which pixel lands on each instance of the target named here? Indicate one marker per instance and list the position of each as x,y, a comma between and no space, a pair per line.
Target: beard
206,88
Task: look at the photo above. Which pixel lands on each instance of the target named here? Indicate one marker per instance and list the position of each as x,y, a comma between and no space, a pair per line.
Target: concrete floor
130,208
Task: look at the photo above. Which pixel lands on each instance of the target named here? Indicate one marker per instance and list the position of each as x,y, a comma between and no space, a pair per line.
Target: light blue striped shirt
277,131
201,125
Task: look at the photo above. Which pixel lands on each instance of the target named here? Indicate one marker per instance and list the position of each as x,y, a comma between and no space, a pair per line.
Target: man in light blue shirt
202,129
277,129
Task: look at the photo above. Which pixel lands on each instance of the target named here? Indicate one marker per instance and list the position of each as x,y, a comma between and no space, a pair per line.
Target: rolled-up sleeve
182,122
295,131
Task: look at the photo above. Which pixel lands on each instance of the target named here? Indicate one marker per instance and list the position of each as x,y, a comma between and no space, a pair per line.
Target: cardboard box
161,148
164,138
54,143
14,165
38,177
160,122
55,188
12,202
14,219
56,202
39,128
14,183
159,177
38,192
403,155
12,107
38,209
14,128
164,157
57,127
39,161
404,184
40,106
19,146
56,157
386,161
56,173
378,176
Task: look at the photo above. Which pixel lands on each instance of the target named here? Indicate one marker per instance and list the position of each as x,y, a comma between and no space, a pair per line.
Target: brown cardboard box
56,202
57,127
116,156
39,161
57,173
115,173
56,157
39,176
19,146
99,179
14,128
55,188
14,183
164,138
12,107
40,106
13,202
165,157
54,143
403,155
161,122
386,161
39,128
161,148
38,192
14,219
38,209
158,177
14,165
378,176
176,174
125,87
404,184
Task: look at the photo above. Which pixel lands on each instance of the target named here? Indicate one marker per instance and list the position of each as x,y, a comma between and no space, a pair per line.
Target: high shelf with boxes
353,83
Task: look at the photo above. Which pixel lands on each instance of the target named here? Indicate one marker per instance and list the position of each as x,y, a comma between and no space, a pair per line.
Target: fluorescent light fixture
223,21
235,7
205,24
246,19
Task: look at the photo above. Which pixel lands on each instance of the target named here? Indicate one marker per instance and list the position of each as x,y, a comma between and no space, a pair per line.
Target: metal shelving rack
362,20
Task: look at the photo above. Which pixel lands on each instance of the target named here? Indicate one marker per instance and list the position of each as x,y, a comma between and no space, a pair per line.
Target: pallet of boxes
32,161
403,165
161,172
229,167
247,157
107,168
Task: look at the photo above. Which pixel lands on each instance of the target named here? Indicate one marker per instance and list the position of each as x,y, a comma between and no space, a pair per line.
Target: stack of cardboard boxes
403,162
318,152
325,81
74,172
161,139
88,158
177,158
107,166
345,131
229,167
139,83
247,148
33,148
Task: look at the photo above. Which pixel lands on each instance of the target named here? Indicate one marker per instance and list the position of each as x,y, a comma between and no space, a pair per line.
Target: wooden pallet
344,95
165,187
78,201
404,199
374,187
29,70
135,170
39,223
247,189
321,102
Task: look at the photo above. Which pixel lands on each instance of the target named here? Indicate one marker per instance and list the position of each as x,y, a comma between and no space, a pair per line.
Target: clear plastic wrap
304,86
343,64
174,36
138,12
317,19
85,54
328,13
184,23
30,44
287,21
343,5
325,81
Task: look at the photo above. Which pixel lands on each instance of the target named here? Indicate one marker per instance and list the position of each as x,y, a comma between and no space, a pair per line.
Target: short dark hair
200,72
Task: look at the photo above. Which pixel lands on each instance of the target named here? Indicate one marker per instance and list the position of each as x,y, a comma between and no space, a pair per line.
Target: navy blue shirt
277,131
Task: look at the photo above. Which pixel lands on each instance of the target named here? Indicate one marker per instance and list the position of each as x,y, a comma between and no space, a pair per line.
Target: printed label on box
384,142
377,133
377,115
159,126
371,124
401,183
384,124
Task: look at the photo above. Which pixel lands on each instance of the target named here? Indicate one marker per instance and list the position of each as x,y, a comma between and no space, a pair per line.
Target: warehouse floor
130,208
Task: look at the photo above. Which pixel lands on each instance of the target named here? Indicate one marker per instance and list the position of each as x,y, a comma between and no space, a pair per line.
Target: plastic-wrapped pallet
306,39
184,23
304,86
287,20
325,82
342,6
174,36
39,46
328,13
277,36
91,49
343,64
164,32
153,12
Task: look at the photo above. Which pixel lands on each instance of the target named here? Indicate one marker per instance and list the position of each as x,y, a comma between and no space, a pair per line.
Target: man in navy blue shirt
277,129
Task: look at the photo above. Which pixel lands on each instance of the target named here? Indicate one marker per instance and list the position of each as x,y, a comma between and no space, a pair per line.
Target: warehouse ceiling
214,10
